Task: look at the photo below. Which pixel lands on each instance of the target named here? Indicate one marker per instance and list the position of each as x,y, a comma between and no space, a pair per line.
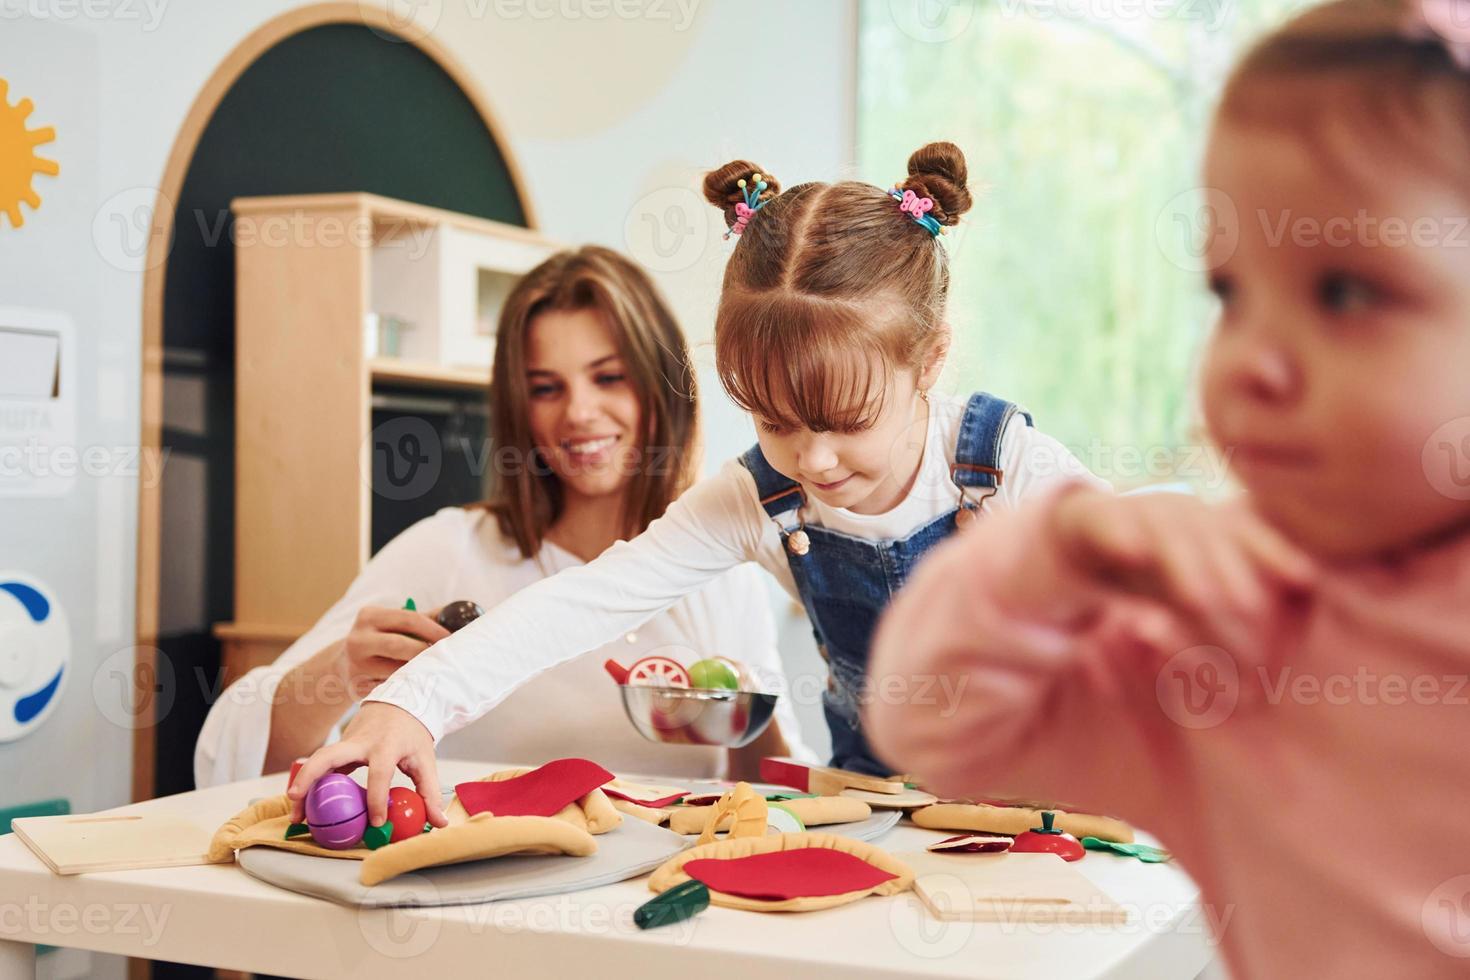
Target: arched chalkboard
335,107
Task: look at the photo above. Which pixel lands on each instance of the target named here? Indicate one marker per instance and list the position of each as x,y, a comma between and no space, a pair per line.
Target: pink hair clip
745,210
917,208
1445,21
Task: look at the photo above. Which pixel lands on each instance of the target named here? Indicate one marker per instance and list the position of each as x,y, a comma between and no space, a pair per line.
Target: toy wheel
658,672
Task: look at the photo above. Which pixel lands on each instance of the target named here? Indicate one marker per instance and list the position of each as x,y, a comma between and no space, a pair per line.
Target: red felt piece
542,792
807,872
655,804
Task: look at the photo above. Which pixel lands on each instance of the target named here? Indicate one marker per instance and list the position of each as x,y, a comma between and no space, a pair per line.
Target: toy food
658,672
971,844
785,872
457,615
336,811
406,813
1048,840
714,673
747,812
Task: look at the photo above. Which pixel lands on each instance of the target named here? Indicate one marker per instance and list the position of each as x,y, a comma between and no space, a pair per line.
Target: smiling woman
594,427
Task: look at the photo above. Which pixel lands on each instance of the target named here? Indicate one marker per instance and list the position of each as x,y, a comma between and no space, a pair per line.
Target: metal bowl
697,716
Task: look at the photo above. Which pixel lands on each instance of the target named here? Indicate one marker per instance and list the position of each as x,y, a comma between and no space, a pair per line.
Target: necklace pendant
798,543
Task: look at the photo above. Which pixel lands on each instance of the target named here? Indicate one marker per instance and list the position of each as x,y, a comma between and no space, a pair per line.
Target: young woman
593,409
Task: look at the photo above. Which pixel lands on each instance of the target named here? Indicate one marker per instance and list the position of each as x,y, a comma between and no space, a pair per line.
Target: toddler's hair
1378,76
830,289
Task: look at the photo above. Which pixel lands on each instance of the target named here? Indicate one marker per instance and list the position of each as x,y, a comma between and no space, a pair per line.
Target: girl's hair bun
937,171
723,190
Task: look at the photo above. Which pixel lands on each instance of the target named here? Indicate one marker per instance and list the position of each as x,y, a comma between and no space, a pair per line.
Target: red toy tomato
1047,840
406,813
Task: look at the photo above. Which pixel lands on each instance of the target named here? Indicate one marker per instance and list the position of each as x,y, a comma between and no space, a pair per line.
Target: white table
219,916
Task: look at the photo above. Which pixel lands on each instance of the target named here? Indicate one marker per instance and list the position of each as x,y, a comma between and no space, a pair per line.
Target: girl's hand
1221,572
384,738
381,641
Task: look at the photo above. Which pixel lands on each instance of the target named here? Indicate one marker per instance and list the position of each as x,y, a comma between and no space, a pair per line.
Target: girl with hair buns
831,332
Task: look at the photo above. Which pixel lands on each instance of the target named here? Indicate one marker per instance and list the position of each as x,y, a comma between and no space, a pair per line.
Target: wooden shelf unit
304,386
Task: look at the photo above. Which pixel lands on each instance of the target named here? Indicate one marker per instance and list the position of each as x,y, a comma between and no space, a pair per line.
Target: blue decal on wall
37,605
32,705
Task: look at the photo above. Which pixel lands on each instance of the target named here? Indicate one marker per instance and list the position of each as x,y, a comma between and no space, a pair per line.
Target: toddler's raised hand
1221,572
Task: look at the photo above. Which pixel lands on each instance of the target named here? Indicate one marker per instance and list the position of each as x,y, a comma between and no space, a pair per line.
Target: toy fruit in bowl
714,673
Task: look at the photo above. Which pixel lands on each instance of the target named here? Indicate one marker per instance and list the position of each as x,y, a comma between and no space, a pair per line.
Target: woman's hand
316,693
385,738
1217,571
381,641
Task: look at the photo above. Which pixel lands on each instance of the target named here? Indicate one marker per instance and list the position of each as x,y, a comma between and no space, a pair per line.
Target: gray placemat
634,848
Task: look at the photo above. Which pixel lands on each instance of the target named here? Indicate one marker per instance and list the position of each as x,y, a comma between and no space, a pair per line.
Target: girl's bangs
802,364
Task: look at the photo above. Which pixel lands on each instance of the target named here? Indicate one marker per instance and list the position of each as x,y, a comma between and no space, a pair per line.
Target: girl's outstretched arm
714,526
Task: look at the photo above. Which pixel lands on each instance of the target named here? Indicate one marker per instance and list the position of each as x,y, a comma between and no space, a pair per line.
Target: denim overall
845,582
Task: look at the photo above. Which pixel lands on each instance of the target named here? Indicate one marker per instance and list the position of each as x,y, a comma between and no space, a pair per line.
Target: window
1076,282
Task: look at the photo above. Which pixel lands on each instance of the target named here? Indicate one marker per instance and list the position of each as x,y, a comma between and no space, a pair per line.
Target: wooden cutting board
1009,888
82,842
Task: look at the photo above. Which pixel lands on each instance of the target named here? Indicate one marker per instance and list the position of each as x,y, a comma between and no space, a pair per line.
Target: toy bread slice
812,811
671,872
593,813
1018,819
481,836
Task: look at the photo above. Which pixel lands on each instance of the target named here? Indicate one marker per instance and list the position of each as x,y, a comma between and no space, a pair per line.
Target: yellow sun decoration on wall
18,160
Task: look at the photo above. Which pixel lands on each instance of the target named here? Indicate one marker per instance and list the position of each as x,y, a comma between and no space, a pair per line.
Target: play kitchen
710,860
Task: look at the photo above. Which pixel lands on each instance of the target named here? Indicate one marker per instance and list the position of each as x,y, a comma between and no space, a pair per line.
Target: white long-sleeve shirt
716,525
571,709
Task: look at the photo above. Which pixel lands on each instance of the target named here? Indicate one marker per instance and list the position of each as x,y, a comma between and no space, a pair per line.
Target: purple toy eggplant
336,811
